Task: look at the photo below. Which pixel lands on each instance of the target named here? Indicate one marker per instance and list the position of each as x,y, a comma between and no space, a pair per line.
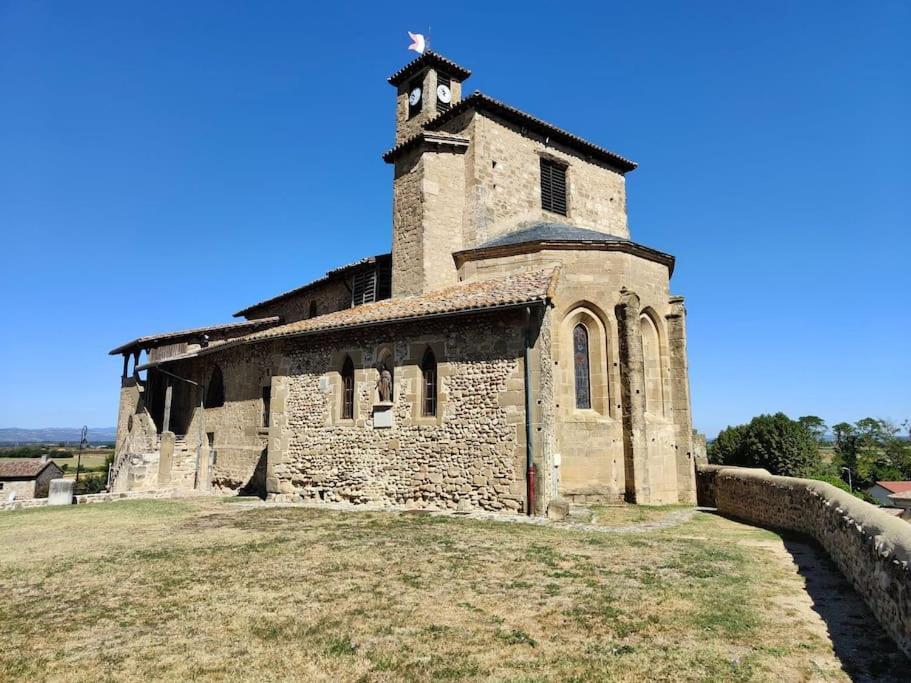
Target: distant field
93,460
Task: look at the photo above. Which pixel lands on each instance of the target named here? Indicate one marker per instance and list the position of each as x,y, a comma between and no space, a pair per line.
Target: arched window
312,309
651,356
429,384
215,392
581,367
348,389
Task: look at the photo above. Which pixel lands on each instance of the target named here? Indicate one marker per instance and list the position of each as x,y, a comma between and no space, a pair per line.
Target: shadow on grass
865,650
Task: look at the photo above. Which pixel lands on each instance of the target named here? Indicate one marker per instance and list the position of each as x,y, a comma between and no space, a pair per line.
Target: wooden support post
166,425
126,365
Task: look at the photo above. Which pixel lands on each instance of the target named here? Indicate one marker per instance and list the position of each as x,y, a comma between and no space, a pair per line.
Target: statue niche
384,386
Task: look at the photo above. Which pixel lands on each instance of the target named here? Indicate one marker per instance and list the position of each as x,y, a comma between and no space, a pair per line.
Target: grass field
205,590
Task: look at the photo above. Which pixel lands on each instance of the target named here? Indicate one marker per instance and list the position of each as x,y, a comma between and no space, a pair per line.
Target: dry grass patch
168,590
627,515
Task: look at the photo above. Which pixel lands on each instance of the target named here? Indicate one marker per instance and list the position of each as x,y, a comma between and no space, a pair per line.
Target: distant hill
17,435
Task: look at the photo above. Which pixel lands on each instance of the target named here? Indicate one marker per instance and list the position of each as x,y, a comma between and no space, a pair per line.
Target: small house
882,490
27,477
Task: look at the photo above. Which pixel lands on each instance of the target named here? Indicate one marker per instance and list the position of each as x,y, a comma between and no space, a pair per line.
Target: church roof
481,102
545,235
153,340
510,291
559,232
331,274
429,58
517,289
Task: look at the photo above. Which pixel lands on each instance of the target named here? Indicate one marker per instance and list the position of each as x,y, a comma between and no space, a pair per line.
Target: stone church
514,347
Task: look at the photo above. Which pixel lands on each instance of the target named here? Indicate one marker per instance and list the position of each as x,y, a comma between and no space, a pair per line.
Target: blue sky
164,164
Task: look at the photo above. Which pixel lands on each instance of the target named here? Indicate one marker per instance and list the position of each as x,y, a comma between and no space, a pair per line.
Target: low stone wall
870,547
86,499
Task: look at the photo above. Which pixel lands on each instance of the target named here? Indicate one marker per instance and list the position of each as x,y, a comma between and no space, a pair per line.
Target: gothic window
581,367
267,404
429,384
348,389
312,309
651,356
215,392
553,186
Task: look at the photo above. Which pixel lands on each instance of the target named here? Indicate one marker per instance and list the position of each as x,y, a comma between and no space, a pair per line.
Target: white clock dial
443,94
414,97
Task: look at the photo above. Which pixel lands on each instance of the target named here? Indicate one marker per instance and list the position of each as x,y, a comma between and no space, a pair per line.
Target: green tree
774,442
815,425
726,448
873,450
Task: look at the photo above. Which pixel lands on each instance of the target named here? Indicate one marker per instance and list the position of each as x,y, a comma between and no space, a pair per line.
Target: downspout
530,471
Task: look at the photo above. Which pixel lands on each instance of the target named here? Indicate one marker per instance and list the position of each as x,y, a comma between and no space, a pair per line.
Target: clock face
414,97
443,94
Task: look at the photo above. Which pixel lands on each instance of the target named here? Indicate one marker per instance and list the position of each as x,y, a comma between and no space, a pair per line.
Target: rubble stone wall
871,548
471,454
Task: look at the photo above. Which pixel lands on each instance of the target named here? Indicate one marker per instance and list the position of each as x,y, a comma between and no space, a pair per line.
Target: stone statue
384,386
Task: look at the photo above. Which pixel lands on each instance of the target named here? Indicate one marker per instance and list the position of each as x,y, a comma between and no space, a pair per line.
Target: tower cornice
429,59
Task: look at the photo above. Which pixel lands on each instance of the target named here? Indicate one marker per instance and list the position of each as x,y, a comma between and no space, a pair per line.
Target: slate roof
517,289
479,101
152,340
546,235
427,59
23,468
551,232
331,274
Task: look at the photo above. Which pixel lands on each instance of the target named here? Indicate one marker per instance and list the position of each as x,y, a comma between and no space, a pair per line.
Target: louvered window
553,186
443,79
348,389
363,287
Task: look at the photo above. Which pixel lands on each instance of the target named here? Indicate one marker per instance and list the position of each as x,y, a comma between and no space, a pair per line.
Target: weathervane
419,43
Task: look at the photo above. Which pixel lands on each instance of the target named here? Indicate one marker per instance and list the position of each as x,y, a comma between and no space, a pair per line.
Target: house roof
429,58
153,340
24,468
330,275
480,102
517,289
895,486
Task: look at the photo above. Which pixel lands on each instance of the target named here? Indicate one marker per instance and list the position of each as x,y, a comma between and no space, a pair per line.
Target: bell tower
425,87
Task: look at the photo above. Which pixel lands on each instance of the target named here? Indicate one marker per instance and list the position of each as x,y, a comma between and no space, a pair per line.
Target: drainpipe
529,461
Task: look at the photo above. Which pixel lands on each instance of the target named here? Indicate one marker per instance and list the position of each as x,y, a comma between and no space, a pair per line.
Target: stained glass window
581,367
